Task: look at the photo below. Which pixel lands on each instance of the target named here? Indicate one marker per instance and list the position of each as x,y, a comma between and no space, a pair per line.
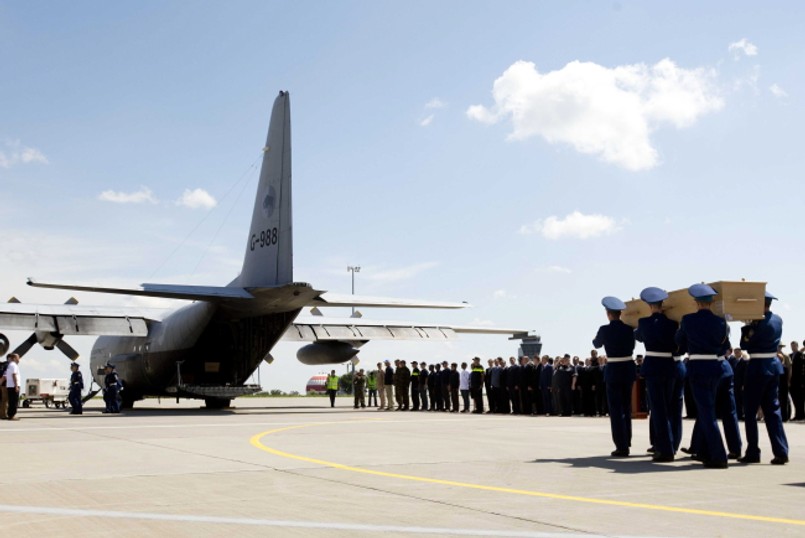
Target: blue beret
653,295
770,297
702,292
613,303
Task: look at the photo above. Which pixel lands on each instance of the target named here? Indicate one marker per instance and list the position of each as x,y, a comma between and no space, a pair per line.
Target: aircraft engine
4,344
326,353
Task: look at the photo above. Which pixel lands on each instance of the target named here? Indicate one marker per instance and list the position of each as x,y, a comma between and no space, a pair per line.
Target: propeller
47,339
23,348
68,350
4,344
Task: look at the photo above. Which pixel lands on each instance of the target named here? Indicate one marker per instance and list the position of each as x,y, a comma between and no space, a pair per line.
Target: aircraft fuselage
202,342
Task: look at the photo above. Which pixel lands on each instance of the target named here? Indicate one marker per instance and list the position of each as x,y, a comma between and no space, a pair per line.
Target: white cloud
575,225
500,294
15,153
777,91
742,47
137,197
433,104
558,269
197,198
608,112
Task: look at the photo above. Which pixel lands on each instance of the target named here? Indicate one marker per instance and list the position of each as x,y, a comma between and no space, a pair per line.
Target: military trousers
389,399
619,399
661,400
760,391
423,398
75,400
677,403
704,389
726,412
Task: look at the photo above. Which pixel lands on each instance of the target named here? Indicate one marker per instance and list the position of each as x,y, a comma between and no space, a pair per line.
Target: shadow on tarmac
195,412
632,465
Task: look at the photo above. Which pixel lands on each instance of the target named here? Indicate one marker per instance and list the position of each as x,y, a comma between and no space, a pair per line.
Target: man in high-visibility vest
371,385
332,387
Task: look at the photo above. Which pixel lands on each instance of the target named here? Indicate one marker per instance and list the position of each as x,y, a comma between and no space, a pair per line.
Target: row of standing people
422,387
521,386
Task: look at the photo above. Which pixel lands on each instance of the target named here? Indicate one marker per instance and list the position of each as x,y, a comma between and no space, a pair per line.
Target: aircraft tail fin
268,260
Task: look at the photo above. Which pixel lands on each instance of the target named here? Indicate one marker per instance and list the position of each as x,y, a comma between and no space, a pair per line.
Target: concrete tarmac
296,467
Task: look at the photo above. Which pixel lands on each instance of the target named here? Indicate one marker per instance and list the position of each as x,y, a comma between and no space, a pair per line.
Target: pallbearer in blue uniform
619,374
705,337
76,385
761,338
657,332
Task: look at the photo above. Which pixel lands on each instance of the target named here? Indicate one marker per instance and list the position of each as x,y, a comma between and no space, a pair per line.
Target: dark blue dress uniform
657,333
112,388
761,338
76,386
617,338
678,399
705,337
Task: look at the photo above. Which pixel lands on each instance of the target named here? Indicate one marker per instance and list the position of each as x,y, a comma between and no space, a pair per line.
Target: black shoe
710,464
733,456
696,457
779,460
662,458
685,450
650,450
620,454
747,459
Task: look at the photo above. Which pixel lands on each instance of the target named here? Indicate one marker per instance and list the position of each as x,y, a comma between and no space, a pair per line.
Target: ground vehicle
47,390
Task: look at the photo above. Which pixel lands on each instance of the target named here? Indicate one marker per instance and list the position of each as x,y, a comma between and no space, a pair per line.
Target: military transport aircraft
209,348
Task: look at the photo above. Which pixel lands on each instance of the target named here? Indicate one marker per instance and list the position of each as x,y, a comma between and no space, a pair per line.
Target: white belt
704,357
762,356
619,359
662,354
678,358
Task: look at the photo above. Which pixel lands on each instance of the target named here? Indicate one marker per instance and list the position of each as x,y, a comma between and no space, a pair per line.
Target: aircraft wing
318,328
334,299
77,319
166,291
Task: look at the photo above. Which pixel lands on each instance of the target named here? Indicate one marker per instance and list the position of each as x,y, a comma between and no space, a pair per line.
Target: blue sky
527,157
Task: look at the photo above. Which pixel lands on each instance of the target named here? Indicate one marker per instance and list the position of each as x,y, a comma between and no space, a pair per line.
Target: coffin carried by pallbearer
736,301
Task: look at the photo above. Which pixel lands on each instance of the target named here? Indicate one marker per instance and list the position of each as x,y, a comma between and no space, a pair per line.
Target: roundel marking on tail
269,202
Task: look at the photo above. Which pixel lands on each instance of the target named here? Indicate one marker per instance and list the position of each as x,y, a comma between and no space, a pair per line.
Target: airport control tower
530,346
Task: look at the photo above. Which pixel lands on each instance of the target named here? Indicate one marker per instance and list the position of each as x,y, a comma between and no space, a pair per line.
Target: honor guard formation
696,354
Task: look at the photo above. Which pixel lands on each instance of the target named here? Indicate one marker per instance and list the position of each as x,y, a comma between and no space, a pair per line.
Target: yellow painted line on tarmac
257,441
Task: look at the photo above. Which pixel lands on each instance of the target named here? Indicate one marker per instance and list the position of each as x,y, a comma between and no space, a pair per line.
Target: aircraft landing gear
126,403
217,403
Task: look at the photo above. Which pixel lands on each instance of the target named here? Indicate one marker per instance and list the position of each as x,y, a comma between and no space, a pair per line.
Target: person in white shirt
464,386
13,385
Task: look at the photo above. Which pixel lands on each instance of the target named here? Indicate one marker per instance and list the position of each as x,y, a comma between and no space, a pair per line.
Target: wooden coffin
736,301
